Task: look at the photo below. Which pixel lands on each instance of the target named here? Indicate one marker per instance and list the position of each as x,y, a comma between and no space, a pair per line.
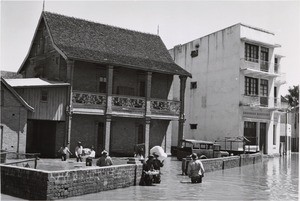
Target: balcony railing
261,101
132,105
281,79
165,106
88,98
259,65
128,102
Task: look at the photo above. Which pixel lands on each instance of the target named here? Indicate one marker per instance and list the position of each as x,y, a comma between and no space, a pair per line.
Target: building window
276,65
44,95
193,126
274,134
251,52
102,84
193,85
263,87
251,86
194,53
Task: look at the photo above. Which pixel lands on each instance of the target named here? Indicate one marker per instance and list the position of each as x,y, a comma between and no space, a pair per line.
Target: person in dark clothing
157,164
148,166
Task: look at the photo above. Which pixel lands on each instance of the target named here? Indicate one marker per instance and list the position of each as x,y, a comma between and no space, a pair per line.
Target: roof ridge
91,21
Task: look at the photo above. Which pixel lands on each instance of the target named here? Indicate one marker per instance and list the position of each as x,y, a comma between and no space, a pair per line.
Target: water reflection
273,179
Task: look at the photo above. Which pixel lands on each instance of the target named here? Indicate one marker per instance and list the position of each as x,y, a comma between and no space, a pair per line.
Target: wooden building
116,92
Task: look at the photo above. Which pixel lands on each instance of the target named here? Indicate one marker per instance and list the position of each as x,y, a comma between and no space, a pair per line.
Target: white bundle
158,150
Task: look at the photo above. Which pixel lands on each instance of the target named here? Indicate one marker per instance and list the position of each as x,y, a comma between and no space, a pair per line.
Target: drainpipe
18,141
1,127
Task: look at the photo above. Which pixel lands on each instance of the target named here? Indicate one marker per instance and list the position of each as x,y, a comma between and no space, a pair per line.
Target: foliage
293,96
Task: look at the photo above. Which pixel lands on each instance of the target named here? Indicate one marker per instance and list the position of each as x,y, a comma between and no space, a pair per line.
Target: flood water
273,179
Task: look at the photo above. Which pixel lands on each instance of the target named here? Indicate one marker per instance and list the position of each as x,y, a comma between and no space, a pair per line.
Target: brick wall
14,121
37,184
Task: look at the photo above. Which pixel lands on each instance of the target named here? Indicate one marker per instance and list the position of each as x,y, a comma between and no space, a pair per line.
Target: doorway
250,132
41,136
100,139
262,138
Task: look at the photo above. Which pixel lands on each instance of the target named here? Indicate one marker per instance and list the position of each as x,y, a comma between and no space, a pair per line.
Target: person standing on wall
195,169
78,151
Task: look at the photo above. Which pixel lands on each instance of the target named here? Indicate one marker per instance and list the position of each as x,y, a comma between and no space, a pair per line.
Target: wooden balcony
165,107
126,106
88,103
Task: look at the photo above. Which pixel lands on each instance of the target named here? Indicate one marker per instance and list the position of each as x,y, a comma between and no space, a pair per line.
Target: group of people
104,160
151,167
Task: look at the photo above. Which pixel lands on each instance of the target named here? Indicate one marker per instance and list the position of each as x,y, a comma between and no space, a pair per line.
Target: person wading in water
195,169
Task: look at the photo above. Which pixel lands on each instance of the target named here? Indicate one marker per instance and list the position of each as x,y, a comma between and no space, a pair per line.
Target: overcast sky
179,22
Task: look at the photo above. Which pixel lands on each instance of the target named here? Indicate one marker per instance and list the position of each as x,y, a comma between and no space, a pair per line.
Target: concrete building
235,87
107,87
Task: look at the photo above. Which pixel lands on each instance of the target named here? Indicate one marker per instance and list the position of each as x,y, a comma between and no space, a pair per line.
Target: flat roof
34,82
197,141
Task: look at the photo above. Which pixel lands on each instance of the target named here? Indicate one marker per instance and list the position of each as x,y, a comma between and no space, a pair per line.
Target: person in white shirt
78,151
89,159
64,150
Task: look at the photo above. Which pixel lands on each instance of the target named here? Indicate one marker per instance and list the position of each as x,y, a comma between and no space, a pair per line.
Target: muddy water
273,179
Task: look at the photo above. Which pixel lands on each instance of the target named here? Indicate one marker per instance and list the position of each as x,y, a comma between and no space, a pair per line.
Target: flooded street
274,179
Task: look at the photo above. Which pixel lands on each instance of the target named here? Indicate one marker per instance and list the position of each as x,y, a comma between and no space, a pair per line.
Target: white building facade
235,87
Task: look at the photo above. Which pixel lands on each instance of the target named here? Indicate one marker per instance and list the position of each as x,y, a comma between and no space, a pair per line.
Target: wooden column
147,112
181,114
148,93
107,132
109,88
70,71
147,136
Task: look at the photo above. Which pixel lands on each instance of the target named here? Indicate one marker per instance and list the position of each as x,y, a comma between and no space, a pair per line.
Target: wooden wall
52,109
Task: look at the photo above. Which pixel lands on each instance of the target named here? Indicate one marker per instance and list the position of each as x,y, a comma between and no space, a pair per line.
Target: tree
293,96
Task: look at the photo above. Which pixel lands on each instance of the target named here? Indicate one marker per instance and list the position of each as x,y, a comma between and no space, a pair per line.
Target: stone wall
213,164
230,162
37,184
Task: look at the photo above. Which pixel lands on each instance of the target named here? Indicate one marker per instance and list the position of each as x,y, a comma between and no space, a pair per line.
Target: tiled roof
94,42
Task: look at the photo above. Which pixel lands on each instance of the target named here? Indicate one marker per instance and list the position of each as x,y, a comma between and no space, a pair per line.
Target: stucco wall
216,71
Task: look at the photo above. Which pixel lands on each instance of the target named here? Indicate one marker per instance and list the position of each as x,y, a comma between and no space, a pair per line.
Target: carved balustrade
129,102
165,106
87,98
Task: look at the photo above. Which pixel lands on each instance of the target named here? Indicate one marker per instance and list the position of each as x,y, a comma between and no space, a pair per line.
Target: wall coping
87,168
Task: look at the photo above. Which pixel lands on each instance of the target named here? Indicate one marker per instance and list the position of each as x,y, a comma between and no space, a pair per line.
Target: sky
179,22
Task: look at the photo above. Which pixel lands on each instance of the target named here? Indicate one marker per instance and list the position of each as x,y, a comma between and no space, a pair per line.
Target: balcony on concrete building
280,79
258,68
260,102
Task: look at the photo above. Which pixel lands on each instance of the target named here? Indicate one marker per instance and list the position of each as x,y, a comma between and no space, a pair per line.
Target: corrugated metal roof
34,82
